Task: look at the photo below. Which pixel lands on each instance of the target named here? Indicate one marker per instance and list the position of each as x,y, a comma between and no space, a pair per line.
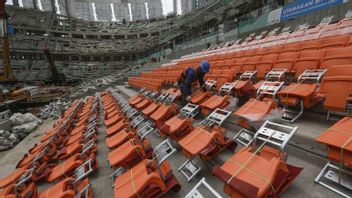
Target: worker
188,77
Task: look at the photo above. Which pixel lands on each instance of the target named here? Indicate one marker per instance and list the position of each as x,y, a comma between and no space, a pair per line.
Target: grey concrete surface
100,179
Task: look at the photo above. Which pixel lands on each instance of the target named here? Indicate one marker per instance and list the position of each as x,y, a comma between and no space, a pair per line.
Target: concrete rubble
22,125
53,109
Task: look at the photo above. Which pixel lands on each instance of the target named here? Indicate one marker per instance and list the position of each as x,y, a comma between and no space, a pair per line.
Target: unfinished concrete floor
9,158
303,186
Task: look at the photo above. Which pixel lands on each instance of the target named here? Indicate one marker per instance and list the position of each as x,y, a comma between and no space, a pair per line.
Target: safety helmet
205,66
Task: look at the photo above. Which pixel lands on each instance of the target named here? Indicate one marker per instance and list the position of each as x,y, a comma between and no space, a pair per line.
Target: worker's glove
188,99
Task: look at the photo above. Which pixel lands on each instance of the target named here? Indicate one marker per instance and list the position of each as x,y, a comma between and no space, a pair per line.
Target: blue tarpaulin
302,7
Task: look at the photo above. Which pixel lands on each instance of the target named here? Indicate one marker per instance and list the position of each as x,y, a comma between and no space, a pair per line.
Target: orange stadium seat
335,41
254,112
265,65
206,140
336,174
259,170
303,94
308,59
130,152
336,87
180,125
69,188
310,45
337,56
148,178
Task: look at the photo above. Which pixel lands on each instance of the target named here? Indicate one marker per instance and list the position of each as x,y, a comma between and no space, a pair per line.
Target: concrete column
15,2
67,7
175,7
53,7
35,4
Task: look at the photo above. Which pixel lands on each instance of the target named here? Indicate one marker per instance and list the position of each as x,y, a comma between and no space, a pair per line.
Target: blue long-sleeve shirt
191,76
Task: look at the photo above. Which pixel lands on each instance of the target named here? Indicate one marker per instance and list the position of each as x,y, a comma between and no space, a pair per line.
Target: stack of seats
208,138
180,125
139,173
336,174
65,155
126,149
260,169
254,112
160,109
227,91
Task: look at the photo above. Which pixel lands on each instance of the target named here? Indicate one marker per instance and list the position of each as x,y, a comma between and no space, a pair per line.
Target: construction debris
18,119
7,140
22,125
53,109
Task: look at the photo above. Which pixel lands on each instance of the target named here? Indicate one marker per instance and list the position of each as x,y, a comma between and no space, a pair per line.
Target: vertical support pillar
35,4
68,8
53,7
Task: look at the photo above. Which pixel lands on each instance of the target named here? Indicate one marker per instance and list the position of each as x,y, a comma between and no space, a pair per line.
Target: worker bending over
188,77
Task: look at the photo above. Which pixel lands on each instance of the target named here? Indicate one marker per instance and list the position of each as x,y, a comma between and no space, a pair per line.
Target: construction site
176,98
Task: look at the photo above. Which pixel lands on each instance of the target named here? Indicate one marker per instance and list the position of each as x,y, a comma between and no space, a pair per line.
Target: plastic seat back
308,59
249,53
239,54
265,65
335,41
249,65
274,49
286,60
337,87
312,44
331,30
292,47
241,61
261,51
337,56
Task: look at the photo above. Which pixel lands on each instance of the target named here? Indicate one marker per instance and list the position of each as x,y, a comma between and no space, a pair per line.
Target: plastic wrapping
254,121
25,128
22,125
232,106
19,118
54,109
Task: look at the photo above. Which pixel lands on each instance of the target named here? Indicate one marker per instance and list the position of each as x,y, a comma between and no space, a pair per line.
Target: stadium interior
93,100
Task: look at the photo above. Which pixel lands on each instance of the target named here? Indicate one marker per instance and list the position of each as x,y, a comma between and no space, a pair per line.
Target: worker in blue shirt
188,77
